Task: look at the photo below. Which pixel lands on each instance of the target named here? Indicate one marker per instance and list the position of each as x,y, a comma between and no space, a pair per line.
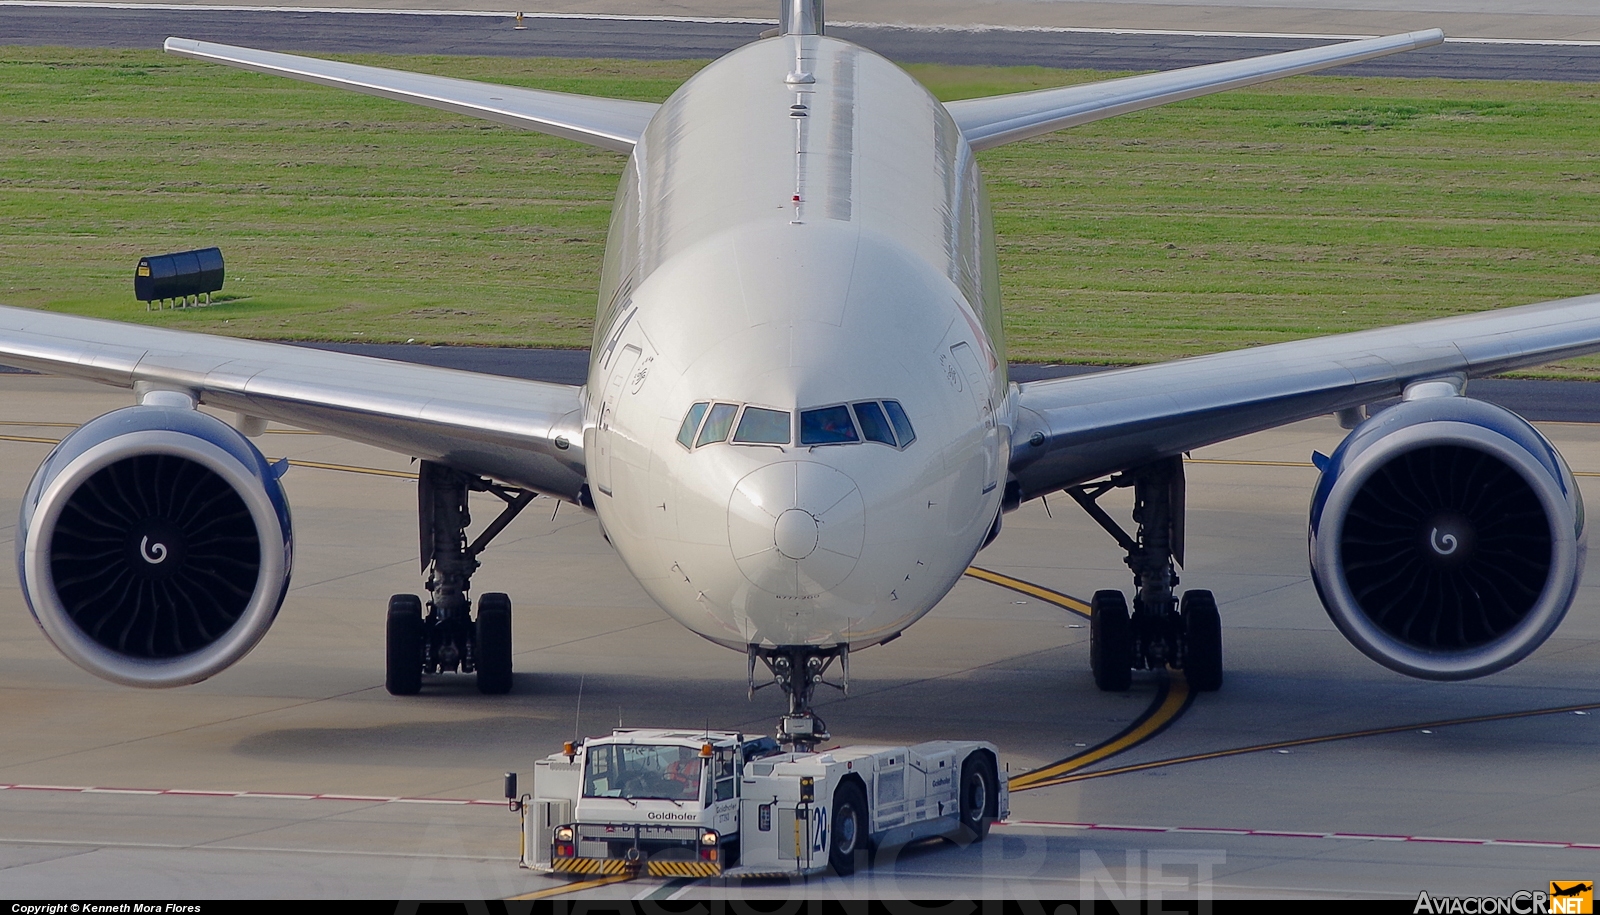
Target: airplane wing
1001,119
527,433
1070,430
613,124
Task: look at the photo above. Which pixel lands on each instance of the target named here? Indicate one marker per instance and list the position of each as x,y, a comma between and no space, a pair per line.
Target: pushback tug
702,803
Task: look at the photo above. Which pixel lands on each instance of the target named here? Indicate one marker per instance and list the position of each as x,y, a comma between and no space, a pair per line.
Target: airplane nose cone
796,527
796,533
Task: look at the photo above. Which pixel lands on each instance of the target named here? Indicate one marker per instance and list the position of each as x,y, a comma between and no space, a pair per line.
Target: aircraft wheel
403,644
849,829
1110,641
980,796
1202,641
494,644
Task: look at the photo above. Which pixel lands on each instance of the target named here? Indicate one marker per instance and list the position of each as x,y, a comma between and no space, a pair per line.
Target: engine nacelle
1447,538
154,546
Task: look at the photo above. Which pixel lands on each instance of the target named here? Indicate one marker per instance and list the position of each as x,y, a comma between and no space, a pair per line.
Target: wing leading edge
1074,429
527,433
613,124
1001,119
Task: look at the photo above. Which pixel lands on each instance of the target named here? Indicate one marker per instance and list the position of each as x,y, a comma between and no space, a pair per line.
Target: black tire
494,644
980,797
849,829
403,644
1110,641
1202,641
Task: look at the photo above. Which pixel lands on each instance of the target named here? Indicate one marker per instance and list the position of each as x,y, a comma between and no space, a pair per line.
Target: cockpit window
827,426
874,427
868,420
902,423
761,426
691,422
718,424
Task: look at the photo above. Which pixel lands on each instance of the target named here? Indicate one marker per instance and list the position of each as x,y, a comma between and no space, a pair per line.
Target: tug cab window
761,426
827,426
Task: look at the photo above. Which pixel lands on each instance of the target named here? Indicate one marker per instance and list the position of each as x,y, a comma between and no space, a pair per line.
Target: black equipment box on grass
178,276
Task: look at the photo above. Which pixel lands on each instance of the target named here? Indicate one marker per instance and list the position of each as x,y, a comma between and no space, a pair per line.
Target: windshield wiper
656,797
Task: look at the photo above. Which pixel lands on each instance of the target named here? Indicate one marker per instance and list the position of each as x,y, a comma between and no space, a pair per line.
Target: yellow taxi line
1308,741
348,468
1171,702
1063,601
574,887
293,462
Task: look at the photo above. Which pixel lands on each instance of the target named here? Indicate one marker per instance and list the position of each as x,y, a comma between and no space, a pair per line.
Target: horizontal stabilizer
613,124
1001,119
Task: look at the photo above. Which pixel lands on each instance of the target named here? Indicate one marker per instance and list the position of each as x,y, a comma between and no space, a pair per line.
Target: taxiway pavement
308,31
1449,809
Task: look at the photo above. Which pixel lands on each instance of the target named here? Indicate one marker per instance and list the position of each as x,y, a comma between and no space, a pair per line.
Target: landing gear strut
1161,631
449,639
797,670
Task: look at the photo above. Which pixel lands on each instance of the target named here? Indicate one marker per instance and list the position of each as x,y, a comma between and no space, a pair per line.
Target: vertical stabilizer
800,17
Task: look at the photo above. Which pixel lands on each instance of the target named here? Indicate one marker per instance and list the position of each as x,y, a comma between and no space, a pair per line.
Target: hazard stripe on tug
683,869
590,866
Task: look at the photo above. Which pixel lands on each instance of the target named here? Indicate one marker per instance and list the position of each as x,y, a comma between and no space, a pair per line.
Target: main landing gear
797,669
1161,631
448,639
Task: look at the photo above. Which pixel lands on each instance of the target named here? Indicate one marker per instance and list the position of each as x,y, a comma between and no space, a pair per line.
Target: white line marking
901,26
1288,834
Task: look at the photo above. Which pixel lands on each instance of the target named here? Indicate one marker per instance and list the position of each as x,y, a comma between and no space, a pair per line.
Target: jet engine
154,544
1446,536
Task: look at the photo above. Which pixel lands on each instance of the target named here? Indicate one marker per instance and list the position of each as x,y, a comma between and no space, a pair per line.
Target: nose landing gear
797,670
1162,631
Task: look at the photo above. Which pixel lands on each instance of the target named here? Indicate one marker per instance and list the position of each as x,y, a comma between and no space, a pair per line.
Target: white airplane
798,430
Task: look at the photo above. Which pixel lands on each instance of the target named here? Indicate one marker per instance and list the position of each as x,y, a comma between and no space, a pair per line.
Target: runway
295,774
346,32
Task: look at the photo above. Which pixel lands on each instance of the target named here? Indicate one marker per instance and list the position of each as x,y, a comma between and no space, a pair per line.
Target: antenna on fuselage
800,17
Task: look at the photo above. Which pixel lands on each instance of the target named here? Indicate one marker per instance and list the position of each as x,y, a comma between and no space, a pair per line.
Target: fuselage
797,425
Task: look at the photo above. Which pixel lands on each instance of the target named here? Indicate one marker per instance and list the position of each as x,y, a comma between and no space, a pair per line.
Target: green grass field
1310,206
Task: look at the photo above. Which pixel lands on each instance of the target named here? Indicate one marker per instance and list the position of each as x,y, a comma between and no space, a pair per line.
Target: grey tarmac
306,714
341,31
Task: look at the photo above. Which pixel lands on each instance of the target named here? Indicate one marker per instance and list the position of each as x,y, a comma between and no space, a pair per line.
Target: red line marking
1286,834
256,795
